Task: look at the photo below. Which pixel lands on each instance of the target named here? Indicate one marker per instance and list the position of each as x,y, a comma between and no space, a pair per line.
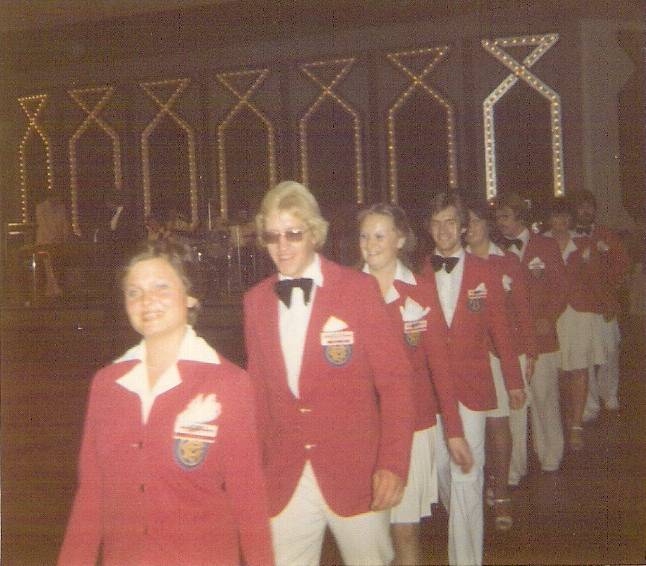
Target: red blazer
585,284
615,266
546,297
474,323
425,343
142,504
516,288
355,412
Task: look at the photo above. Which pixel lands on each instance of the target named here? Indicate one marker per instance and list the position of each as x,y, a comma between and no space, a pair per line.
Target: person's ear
192,302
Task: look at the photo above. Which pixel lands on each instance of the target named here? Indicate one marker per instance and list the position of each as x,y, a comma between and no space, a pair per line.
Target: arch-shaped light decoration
166,108
418,81
327,91
542,44
32,106
243,99
80,97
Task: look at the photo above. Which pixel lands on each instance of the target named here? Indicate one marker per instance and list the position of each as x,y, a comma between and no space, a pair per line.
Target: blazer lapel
271,337
458,315
323,307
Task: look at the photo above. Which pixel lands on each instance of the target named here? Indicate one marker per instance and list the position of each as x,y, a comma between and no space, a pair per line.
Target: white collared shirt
192,348
293,323
402,273
448,286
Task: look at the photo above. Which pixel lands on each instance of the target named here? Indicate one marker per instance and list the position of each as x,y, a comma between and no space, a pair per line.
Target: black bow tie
438,261
509,242
284,289
587,230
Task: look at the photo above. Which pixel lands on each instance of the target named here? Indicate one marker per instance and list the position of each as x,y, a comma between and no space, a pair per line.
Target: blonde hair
292,197
401,224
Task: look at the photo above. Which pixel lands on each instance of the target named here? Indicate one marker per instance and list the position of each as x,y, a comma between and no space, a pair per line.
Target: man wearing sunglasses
334,391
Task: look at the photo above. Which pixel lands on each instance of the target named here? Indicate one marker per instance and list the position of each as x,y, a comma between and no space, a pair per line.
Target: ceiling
22,15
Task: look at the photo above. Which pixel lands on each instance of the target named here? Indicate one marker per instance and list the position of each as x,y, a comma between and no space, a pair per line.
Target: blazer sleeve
244,477
555,278
522,307
83,534
616,258
254,365
499,329
393,379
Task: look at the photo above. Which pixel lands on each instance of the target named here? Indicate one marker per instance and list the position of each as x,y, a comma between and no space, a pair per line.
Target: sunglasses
289,235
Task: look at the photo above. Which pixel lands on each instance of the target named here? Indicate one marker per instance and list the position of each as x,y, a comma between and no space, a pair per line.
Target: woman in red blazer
386,241
506,445
579,325
169,471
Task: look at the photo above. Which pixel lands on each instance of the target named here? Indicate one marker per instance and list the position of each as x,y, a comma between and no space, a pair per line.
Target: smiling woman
182,409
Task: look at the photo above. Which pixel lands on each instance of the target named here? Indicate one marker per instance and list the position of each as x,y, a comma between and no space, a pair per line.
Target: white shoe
612,404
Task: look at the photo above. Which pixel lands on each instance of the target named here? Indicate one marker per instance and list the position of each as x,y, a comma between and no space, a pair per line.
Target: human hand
460,453
516,398
387,490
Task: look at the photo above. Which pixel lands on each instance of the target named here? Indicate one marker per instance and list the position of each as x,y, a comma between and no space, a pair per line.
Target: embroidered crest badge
476,297
192,433
536,267
414,319
337,342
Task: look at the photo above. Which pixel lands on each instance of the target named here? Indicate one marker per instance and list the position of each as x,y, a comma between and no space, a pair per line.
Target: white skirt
421,487
580,339
502,399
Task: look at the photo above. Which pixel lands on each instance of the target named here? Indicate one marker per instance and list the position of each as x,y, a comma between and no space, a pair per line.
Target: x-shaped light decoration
327,92
166,109
521,71
243,100
418,82
32,106
81,96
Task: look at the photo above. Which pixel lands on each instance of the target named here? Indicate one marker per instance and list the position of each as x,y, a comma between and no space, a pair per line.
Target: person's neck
161,353
448,253
480,249
385,277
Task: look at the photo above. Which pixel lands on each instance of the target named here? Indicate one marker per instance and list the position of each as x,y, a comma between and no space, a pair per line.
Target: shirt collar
312,271
193,348
403,274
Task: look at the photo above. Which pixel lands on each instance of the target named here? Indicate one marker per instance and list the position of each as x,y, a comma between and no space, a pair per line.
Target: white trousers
299,529
547,429
461,493
603,384
518,428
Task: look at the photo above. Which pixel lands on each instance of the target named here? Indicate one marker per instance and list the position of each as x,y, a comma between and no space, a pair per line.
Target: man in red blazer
545,270
334,390
473,304
604,383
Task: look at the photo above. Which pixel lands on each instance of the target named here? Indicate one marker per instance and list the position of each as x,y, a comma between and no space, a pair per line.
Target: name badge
196,431
337,346
415,326
337,338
